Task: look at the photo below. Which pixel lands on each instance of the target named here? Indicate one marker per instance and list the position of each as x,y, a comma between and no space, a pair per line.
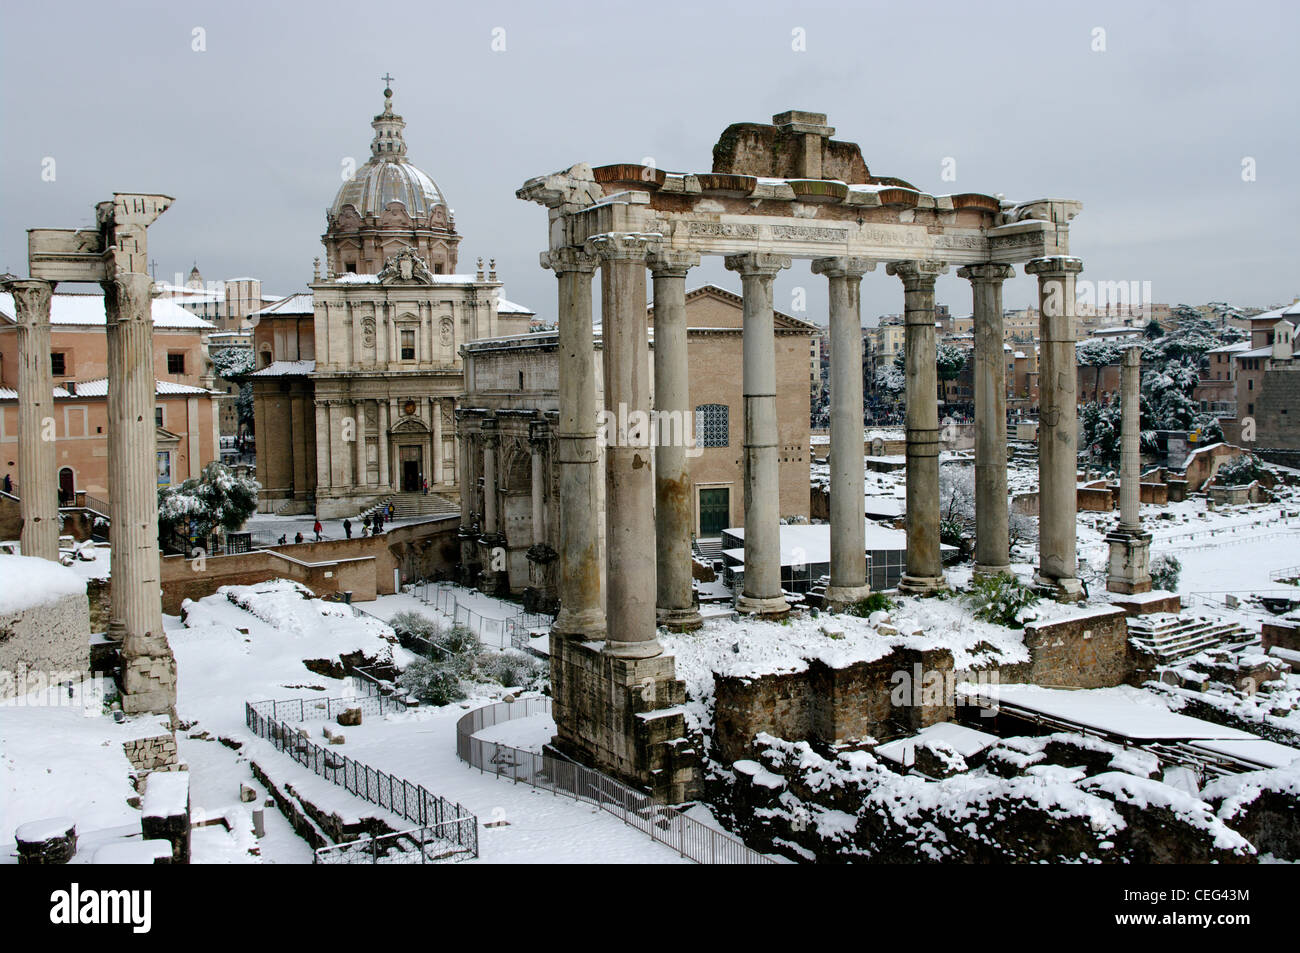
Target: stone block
349,717
49,841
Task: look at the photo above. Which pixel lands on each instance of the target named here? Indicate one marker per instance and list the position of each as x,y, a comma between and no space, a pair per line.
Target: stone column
924,573
992,555
359,447
1130,547
581,606
435,410
38,491
322,445
848,523
674,596
762,593
384,482
629,483
148,667
1058,427
491,441
538,488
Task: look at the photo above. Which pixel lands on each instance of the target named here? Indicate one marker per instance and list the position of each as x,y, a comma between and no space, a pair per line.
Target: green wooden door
715,511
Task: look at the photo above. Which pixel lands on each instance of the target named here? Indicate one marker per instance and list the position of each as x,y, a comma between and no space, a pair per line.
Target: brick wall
1091,651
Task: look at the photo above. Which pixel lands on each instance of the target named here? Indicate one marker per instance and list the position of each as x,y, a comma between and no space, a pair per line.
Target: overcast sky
249,134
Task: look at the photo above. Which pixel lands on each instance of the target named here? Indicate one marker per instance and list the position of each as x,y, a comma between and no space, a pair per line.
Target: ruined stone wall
156,753
53,637
1091,651
832,705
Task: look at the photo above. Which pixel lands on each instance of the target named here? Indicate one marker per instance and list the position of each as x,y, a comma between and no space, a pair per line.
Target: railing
412,802
498,633
667,825
420,845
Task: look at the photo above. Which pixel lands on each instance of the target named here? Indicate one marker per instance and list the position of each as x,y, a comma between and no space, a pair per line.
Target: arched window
712,425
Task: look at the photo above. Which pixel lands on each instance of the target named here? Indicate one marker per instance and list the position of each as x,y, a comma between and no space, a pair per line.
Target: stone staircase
415,505
1170,637
709,550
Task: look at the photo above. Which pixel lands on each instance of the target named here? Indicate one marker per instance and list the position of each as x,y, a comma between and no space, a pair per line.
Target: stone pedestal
623,716
924,571
1130,557
1058,428
762,594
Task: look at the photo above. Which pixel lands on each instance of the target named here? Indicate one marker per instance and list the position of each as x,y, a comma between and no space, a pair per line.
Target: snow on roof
1265,351
88,310
99,388
1266,754
286,369
300,302
509,307
27,582
352,278
1228,348
810,543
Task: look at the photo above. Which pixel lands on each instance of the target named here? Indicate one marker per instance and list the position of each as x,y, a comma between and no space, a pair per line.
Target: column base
588,623
774,608
841,597
982,570
922,585
1064,589
678,620
1130,559
644,649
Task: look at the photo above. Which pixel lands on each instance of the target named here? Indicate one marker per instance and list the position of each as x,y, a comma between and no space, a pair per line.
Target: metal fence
420,845
413,802
497,633
667,825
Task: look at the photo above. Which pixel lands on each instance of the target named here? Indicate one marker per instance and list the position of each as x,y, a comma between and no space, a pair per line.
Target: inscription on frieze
722,230
810,233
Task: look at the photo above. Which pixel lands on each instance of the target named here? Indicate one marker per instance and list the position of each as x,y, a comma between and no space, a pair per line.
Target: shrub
511,669
1243,469
1002,600
875,602
1165,570
413,624
432,682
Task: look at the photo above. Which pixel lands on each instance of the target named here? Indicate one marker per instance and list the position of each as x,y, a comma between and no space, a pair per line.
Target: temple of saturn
776,193
113,254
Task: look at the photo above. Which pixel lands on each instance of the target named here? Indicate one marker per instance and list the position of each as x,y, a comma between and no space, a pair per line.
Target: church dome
389,176
364,228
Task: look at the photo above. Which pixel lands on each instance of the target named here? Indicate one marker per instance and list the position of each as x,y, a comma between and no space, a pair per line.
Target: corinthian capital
128,296
986,273
567,259
917,275
31,300
757,263
843,267
621,246
671,262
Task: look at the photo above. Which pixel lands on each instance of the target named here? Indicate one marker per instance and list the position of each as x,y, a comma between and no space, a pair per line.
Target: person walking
388,516
426,487
347,528
316,529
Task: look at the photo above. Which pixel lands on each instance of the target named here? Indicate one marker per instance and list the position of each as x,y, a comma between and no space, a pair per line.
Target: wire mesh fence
546,772
272,720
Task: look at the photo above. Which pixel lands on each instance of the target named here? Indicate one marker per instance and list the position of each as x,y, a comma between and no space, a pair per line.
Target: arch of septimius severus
776,193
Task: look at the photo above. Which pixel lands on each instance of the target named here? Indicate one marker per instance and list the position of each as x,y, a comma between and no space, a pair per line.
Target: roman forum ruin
114,255
776,193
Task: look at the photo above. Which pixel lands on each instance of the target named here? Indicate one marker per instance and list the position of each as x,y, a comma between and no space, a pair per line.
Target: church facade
356,384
